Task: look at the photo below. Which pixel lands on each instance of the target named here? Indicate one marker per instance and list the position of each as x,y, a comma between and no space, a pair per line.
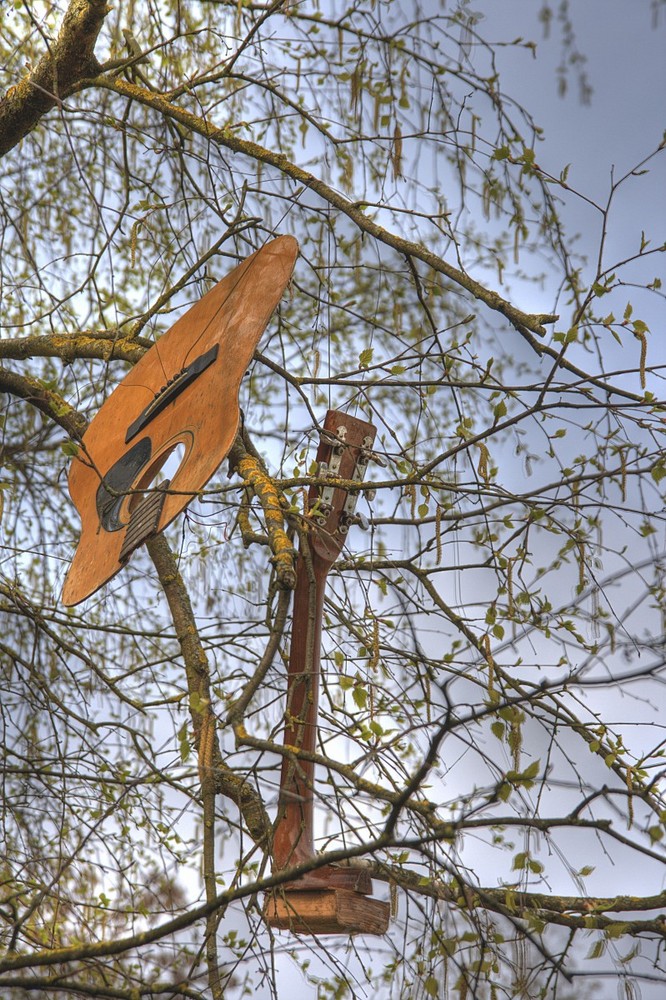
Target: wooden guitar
183,393
328,899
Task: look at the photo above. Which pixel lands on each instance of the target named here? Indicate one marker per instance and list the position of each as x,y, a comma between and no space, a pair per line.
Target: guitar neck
293,840
343,454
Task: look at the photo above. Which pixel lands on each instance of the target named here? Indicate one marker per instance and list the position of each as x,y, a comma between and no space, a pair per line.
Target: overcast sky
626,116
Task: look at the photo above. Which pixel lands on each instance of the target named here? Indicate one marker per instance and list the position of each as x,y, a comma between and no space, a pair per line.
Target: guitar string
295,201
223,302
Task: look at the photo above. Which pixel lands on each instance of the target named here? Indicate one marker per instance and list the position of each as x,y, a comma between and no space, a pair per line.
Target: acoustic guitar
182,394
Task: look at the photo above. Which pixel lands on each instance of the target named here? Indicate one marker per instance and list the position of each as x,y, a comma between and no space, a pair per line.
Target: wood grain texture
343,454
203,418
293,840
326,911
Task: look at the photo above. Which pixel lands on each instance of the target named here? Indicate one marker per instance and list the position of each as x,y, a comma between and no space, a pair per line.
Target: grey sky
625,65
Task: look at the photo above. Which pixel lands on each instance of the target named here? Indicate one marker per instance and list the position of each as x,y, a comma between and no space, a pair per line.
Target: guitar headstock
345,449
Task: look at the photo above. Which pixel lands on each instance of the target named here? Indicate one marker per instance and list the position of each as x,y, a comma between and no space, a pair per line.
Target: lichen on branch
62,66
249,468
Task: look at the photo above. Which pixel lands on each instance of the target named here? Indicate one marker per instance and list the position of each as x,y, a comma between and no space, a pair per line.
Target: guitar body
183,392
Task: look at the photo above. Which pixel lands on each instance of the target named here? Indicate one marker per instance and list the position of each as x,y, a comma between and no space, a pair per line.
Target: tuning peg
321,513
347,520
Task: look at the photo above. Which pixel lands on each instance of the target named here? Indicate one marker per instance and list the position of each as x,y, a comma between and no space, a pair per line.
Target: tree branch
49,402
105,345
198,681
249,467
526,324
64,64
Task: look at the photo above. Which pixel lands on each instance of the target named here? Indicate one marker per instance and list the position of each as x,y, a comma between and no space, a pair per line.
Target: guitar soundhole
163,471
113,508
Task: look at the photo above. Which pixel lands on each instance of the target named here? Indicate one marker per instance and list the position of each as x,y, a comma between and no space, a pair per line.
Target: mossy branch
58,71
46,400
105,345
250,468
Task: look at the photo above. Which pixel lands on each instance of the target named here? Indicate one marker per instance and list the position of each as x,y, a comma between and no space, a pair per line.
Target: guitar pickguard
118,480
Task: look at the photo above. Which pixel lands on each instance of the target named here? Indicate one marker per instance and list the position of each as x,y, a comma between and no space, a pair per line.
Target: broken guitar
183,394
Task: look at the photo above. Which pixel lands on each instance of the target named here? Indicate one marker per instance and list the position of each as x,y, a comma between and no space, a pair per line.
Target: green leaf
500,410
431,987
597,949
197,703
532,771
70,448
616,930
360,696
365,357
183,743
658,471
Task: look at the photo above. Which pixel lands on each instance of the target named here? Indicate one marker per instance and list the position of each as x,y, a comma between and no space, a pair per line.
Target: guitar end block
326,911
